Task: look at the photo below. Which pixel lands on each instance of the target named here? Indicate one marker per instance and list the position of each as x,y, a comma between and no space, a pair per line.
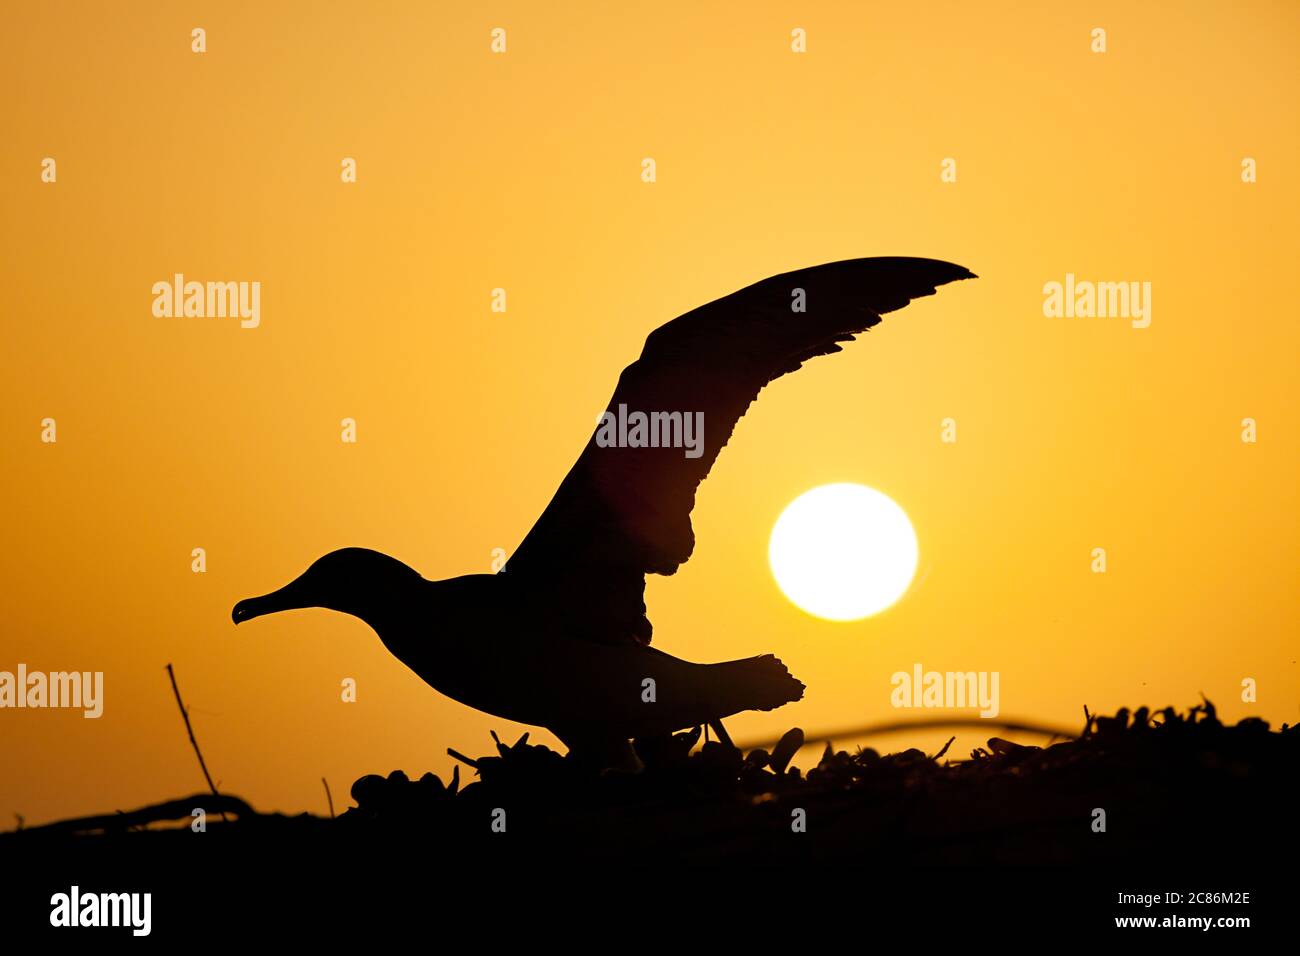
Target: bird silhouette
559,638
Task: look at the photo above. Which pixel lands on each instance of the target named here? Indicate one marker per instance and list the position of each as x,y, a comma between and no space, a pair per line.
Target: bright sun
843,552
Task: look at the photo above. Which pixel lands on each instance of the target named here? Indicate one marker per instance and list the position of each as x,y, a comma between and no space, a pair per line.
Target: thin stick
945,749
462,758
925,723
185,714
328,797
171,810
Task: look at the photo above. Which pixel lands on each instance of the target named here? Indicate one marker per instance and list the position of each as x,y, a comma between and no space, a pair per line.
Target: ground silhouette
1174,787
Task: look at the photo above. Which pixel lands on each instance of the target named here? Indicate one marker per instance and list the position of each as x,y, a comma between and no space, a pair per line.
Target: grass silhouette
1173,786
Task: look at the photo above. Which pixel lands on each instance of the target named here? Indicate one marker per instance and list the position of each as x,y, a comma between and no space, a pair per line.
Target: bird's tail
755,683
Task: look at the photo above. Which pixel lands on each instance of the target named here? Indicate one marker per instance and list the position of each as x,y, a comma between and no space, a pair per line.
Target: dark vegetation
1176,788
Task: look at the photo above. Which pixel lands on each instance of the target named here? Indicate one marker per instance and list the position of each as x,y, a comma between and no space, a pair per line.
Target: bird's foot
721,731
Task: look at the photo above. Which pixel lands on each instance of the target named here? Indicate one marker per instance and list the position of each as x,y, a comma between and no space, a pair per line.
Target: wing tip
949,271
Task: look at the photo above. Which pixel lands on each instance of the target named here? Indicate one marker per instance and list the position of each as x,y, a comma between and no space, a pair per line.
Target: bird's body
560,638
489,643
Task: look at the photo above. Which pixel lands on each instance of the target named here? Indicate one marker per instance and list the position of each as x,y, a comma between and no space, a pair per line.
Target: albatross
559,637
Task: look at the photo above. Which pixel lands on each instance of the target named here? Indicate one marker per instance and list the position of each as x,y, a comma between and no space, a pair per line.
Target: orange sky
522,171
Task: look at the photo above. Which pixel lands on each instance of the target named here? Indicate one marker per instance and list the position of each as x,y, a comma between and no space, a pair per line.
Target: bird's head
357,581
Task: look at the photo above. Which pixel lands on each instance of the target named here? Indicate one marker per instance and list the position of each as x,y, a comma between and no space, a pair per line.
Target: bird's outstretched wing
623,511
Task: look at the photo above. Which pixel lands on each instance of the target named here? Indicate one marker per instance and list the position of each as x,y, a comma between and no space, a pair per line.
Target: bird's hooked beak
286,598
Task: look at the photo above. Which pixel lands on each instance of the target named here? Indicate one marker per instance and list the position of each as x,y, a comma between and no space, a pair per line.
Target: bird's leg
721,731
597,752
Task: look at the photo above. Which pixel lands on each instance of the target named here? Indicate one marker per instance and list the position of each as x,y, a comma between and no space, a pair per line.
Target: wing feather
624,512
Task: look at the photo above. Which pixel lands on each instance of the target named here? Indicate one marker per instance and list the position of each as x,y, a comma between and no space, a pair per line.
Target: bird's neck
391,607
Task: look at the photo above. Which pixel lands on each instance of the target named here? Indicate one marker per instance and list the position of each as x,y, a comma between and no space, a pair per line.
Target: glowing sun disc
843,552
